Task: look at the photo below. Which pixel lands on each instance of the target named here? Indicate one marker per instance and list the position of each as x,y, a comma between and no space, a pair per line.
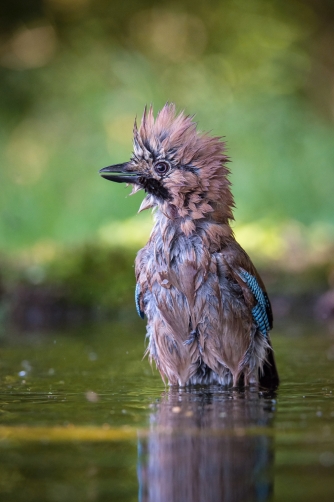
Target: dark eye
161,167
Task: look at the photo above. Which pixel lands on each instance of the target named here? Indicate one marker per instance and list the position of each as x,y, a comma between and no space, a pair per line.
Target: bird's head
182,170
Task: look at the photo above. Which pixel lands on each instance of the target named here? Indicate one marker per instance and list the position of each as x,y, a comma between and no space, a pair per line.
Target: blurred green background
75,73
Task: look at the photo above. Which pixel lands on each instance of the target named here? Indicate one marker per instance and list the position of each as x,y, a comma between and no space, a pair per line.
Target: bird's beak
120,173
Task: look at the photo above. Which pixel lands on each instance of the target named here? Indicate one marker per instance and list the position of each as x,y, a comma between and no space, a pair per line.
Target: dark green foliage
79,285
92,276
250,71
254,72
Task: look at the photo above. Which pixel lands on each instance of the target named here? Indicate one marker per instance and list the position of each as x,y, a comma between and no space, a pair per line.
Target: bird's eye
161,167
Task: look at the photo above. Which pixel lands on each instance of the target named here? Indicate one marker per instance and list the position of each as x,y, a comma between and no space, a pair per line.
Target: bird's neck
214,230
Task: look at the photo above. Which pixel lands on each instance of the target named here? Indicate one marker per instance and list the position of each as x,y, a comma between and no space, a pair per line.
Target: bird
207,309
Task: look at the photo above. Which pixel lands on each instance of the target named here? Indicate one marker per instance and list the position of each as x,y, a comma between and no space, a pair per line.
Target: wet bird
208,313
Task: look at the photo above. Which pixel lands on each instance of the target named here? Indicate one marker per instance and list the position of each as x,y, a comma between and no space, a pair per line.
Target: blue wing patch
262,314
137,296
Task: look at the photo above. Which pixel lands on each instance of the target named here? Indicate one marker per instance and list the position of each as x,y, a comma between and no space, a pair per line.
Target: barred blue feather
262,313
137,296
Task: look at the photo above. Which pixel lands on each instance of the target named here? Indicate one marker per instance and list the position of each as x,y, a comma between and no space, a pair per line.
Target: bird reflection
206,446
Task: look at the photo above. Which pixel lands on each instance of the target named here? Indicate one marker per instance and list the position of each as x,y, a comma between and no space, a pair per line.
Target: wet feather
203,323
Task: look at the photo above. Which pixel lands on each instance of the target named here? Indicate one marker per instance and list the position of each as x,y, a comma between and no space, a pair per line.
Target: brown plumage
207,310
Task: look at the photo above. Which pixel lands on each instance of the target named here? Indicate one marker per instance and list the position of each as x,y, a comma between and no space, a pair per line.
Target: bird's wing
140,312
261,312
245,274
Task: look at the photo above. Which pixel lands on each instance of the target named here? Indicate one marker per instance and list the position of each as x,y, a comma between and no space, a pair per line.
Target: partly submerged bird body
208,314
199,309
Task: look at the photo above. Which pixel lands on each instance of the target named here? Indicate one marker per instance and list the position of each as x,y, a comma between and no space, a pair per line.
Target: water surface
83,418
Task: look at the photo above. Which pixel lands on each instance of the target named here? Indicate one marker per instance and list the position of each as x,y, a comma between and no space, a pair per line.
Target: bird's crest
176,134
182,170
200,185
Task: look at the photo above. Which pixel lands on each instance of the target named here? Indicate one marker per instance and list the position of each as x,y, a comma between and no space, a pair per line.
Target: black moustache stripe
154,187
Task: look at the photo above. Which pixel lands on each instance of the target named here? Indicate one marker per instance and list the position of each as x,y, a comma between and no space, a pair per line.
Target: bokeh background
75,73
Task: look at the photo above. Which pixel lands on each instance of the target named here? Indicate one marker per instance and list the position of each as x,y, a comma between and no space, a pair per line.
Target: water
83,418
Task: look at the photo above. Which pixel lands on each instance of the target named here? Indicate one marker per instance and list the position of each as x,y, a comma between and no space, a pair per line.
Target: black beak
120,173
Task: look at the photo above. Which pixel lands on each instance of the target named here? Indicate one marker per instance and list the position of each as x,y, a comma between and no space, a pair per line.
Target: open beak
120,173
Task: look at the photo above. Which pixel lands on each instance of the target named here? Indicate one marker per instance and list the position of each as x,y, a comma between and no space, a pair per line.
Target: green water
83,418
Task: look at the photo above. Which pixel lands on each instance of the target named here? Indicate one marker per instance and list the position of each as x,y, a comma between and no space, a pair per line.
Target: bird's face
151,175
182,171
